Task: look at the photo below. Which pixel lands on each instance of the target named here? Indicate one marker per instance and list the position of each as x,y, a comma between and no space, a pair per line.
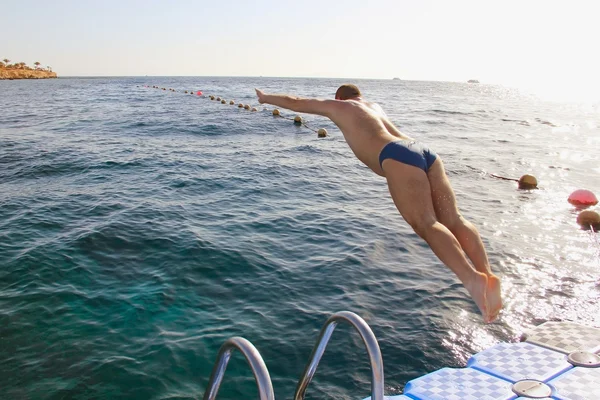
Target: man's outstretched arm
298,104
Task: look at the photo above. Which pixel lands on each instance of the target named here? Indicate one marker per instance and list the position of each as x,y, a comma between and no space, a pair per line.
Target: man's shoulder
374,107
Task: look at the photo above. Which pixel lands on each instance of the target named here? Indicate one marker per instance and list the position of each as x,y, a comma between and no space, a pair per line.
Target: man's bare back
366,129
418,185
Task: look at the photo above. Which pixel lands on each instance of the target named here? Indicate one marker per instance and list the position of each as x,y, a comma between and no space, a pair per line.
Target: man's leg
446,210
444,203
411,192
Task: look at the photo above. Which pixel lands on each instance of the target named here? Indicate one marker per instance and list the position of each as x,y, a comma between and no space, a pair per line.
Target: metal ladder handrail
254,359
369,340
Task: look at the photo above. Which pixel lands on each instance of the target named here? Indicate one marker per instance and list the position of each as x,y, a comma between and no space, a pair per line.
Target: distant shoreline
10,74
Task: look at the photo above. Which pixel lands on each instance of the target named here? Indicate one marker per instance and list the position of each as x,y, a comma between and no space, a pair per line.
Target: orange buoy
583,197
199,93
528,182
240,105
231,102
589,219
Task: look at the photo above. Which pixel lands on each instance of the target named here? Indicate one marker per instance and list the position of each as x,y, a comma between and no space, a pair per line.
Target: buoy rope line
276,113
493,175
302,123
594,234
594,239
502,177
527,182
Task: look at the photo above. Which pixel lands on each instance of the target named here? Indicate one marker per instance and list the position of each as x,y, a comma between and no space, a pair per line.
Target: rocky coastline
11,74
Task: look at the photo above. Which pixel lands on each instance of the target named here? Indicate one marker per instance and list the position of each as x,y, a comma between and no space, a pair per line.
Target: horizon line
271,77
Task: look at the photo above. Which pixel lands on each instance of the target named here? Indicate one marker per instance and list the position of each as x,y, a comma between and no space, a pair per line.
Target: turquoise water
140,228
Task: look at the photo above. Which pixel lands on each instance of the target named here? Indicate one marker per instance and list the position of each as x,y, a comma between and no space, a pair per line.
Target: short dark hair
346,92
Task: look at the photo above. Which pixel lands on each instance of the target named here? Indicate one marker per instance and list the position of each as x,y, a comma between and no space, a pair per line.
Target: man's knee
422,226
453,222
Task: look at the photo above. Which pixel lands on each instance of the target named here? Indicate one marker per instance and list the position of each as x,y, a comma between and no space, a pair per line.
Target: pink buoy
199,93
583,197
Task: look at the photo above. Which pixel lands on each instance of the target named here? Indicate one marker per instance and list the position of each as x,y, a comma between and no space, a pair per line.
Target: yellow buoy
246,107
186,92
297,119
322,132
589,219
276,112
164,88
223,102
212,97
240,105
528,182
231,102
254,109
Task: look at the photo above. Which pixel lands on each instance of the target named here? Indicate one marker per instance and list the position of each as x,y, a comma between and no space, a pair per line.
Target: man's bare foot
494,297
477,288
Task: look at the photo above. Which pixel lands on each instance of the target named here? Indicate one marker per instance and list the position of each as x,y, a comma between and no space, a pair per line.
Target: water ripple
140,230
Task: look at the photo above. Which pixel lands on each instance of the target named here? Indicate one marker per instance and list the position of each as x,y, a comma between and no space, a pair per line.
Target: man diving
417,183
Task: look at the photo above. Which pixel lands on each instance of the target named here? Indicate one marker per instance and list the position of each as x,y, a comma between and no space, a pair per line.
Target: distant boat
395,79
472,81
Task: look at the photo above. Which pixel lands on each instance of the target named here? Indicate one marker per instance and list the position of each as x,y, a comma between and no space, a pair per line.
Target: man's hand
261,96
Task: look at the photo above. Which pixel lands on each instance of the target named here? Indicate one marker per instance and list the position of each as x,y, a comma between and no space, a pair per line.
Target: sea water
141,228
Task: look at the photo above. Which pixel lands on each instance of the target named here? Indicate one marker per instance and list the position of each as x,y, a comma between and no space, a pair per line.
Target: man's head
346,92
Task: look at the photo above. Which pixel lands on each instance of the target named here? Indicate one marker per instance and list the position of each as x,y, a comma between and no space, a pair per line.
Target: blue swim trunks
408,152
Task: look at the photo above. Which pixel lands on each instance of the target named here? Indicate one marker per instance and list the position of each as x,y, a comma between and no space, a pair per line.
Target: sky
525,42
